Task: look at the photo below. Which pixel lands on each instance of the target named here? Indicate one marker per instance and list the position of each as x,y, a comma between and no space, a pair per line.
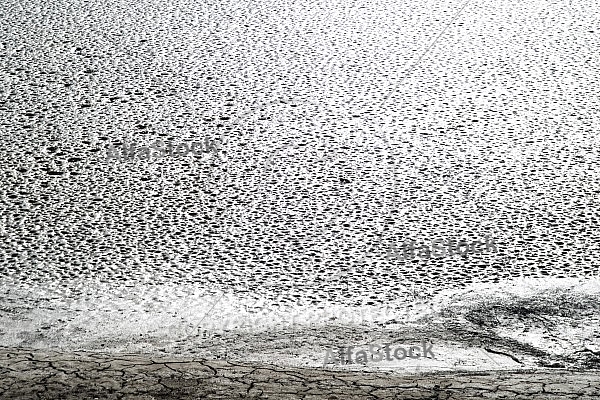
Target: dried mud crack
78,375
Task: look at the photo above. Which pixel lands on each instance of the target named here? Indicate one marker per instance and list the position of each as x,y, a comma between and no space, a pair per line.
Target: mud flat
524,339
53,375
347,130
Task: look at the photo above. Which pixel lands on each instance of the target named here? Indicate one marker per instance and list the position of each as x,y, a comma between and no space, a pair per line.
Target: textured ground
495,132
527,332
49,375
346,129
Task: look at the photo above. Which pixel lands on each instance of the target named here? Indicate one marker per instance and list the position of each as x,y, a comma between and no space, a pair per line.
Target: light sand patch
537,322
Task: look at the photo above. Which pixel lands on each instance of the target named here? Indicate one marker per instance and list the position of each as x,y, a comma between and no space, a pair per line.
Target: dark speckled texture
495,132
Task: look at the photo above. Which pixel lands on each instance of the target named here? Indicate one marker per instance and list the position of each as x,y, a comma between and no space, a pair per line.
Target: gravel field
330,133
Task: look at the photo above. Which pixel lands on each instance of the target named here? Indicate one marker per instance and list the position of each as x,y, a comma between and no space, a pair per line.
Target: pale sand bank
521,324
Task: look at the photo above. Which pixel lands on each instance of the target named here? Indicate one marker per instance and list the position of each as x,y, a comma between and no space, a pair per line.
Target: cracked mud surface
52,375
495,334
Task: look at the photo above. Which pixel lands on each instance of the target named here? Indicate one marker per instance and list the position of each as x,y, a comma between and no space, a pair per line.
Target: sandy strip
519,340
